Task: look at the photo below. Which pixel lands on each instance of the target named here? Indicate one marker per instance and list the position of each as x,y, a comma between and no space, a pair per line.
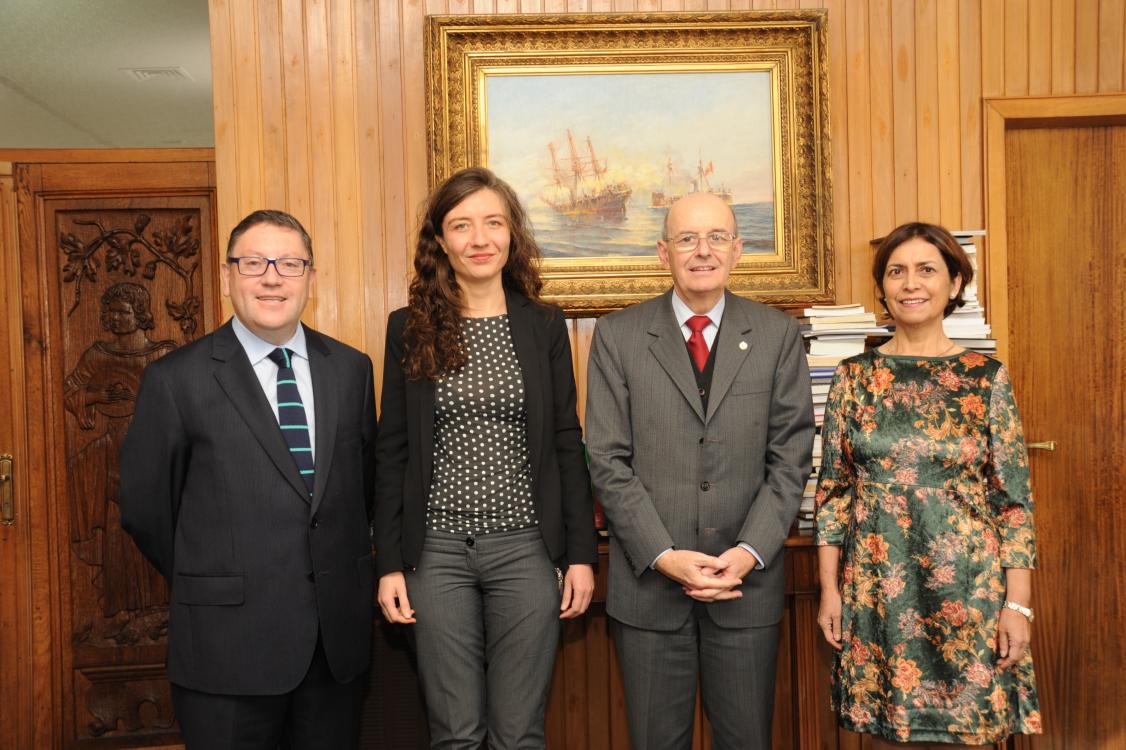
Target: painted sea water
637,232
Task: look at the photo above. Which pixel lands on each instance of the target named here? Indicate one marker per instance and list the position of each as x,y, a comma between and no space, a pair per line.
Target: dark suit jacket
214,500
670,474
405,454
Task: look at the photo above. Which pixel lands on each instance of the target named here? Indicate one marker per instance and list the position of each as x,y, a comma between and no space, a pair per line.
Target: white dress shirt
258,352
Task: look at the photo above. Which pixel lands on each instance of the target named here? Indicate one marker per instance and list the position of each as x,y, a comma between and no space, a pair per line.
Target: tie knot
281,357
698,323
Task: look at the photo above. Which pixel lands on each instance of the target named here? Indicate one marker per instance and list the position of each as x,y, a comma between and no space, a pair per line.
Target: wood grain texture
16,662
1064,190
334,101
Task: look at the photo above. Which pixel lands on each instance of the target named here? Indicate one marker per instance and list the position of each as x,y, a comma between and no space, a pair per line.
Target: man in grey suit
699,426
247,478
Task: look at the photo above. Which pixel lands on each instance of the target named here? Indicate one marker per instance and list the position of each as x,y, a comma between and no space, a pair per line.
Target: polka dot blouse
482,479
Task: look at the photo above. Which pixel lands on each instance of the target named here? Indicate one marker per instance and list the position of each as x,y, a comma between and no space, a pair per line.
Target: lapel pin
743,345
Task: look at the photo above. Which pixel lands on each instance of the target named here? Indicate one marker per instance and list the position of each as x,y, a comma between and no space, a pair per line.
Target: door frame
32,717
1001,115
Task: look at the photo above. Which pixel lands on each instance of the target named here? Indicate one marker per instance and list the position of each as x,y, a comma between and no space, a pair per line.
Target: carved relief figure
105,382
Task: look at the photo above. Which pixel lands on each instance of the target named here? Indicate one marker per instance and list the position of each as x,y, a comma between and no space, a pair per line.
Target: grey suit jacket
212,497
669,475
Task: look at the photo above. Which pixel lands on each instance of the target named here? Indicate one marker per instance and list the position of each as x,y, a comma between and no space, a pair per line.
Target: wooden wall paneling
882,113
398,250
348,249
321,222
582,334
1063,46
271,87
1016,47
377,79
949,117
969,90
858,137
992,48
16,658
1112,28
836,25
245,42
1086,46
1039,47
904,157
224,111
927,114
297,176
993,287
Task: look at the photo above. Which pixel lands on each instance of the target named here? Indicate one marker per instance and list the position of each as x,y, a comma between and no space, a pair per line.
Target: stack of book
833,333
838,331
966,326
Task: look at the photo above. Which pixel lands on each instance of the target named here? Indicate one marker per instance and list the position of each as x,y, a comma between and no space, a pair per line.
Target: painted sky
635,122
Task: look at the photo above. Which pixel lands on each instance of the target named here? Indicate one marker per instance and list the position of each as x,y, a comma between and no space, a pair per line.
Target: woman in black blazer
484,528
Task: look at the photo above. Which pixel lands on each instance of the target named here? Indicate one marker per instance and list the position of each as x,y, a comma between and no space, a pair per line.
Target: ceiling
65,83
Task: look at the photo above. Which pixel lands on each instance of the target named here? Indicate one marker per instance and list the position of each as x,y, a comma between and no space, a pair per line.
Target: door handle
7,491
1047,445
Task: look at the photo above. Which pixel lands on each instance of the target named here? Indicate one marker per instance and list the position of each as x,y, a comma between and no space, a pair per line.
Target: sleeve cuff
752,550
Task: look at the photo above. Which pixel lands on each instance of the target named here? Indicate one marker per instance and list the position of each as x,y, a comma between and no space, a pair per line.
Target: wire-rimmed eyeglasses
686,242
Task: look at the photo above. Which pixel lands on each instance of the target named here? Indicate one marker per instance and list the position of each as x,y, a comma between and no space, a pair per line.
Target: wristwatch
1019,608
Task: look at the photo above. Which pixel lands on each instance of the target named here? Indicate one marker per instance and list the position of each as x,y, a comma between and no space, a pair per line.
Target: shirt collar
683,312
257,349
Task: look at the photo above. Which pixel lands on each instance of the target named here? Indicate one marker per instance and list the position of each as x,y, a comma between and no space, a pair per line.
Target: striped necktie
291,416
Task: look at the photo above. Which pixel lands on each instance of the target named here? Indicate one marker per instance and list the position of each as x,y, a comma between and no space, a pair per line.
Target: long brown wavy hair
432,337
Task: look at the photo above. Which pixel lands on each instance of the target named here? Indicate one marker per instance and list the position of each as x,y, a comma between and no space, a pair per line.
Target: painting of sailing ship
581,189
598,158
668,195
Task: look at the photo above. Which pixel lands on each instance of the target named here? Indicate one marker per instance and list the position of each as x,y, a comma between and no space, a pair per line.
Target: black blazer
214,500
405,449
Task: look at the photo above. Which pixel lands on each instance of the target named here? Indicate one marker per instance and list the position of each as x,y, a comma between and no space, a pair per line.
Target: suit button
701,441
469,541
314,523
705,486
310,576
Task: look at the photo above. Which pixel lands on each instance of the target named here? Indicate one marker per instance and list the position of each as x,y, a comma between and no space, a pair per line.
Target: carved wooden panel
114,277
130,287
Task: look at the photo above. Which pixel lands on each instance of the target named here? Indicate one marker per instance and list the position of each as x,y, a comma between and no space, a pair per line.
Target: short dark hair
275,218
957,262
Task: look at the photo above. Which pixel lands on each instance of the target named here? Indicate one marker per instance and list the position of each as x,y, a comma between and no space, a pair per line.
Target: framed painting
600,122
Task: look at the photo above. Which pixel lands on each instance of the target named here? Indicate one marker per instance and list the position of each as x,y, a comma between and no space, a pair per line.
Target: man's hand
392,598
578,588
703,577
740,562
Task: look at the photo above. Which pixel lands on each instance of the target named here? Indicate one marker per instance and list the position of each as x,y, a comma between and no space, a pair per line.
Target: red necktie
697,347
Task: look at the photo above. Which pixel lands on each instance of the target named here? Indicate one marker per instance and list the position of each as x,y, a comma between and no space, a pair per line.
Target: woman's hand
1013,635
392,598
578,588
829,616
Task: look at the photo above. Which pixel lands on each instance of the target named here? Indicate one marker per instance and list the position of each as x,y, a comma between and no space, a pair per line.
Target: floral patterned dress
924,484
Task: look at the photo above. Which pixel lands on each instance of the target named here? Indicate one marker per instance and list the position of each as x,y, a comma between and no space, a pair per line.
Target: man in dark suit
247,478
699,427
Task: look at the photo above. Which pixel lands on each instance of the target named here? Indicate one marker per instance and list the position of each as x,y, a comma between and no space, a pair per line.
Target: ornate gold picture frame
600,121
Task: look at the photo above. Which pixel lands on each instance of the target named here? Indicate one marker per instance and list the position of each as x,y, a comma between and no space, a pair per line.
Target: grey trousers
735,668
487,630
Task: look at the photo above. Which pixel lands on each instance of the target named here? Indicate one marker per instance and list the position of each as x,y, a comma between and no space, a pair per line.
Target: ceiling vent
174,73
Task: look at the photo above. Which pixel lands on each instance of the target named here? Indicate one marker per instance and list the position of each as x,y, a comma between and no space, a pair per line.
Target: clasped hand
706,578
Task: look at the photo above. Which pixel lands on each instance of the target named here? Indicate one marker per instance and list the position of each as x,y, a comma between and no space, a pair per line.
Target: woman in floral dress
924,522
